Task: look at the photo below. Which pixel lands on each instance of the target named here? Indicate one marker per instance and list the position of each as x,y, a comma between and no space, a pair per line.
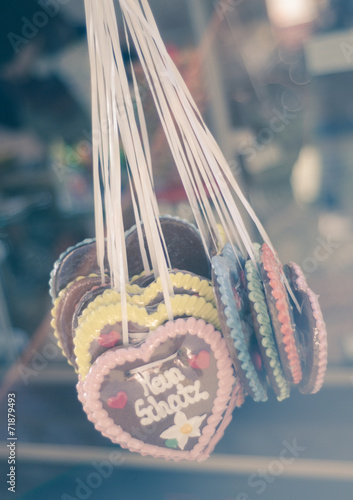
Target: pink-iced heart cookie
176,388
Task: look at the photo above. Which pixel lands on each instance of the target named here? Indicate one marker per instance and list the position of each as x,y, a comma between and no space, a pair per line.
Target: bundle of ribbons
171,324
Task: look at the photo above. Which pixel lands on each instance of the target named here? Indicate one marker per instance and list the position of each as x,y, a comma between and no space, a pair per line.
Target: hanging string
207,178
113,116
201,165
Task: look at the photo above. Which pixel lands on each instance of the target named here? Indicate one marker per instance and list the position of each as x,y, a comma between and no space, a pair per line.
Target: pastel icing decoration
171,443
264,332
118,401
81,396
281,314
80,391
63,311
182,282
183,429
86,300
172,410
200,360
143,279
109,339
184,246
96,298
111,336
233,253
311,331
236,401
141,320
257,360
235,318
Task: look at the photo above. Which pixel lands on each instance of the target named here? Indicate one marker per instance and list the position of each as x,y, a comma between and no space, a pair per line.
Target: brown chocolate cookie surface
80,260
65,308
184,245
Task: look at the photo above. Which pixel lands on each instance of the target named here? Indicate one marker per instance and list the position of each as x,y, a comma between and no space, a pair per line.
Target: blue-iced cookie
236,323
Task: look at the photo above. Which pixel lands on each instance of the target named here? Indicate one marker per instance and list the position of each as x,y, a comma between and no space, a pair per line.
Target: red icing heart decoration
238,300
109,339
200,361
257,360
118,401
169,401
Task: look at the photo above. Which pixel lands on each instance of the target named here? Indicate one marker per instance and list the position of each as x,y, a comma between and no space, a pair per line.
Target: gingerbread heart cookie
79,260
236,323
263,329
184,246
311,331
280,310
151,399
64,308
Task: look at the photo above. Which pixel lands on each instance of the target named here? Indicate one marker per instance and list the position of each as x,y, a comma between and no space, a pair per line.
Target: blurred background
273,80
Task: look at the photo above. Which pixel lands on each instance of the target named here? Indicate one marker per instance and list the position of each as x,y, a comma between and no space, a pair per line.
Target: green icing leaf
171,443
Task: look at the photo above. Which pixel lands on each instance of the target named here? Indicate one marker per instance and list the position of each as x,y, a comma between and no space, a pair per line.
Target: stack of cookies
239,325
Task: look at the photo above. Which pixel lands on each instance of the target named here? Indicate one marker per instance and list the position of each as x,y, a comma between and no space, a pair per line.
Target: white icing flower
183,429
